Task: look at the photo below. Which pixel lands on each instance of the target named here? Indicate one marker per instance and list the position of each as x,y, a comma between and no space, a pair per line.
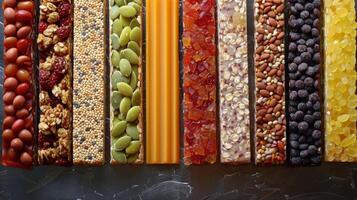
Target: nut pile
340,80
126,137
199,81
233,81
304,108
54,46
88,82
17,135
269,64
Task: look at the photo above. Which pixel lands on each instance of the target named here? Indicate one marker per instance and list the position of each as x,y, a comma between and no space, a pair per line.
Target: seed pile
88,82
233,81
269,71
126,137
53,42
340,77
304,128
199,81
17,135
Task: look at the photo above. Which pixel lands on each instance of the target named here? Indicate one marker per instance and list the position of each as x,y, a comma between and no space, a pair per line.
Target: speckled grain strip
233,81
270,144
88,82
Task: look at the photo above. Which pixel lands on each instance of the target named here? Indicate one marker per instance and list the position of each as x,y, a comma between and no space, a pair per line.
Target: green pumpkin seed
134,46
133,114
125,67
135,69
124,21
135,34
114,12
118,77
121,116
116,99
134,23
119,156
120,2
139,2
133,147
133,81
136,6
115,41
125,89
132,131
122,143
119,129
113,141
125,105
133,158
125,36
130,55
117,27
112,2
127,11
115,58
135,100
128,1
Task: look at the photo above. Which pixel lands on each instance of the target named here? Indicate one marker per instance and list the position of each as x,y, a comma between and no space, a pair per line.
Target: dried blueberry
304,14
316,134
303,126
302,67
303,93
317,124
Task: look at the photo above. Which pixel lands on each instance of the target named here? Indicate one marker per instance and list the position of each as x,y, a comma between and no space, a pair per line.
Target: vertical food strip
199,81
18,88
88,82
303,67
162,82
270,141
233,81
340,81
55,73
126,73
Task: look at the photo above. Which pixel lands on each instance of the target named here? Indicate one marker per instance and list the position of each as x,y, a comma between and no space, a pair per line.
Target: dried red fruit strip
17,135
55,131
199,81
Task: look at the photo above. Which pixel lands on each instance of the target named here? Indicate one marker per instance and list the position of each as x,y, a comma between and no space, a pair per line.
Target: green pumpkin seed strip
126,35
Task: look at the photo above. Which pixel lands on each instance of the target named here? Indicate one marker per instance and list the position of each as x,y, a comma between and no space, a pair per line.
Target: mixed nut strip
55,74
340,81
125,66
199,81
233,81
270,142
88,82
18,129
304,103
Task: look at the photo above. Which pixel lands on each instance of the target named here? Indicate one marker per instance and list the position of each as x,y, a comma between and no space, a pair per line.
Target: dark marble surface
221,182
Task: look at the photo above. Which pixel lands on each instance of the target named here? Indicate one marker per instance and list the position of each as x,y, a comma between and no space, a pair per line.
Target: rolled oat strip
270,144
233,81
126,85
18,86
340,81
199,81
55,72
88,82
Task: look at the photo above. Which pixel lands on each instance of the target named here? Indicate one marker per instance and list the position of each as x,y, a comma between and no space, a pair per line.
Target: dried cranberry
66,22
63,32
44,76
54,79
59,66
42,27
64,9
